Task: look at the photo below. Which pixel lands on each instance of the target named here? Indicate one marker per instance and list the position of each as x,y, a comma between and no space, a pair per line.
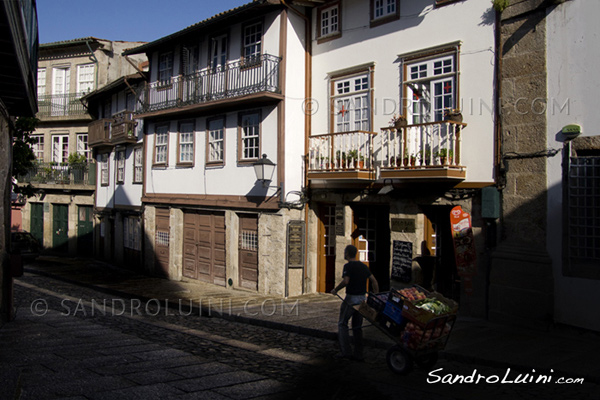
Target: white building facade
221,94
373,61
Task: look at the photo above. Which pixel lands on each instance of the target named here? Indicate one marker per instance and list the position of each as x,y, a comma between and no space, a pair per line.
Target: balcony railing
61,105
234,79
428,145
99,132
49,173
111,131
420,147
341,151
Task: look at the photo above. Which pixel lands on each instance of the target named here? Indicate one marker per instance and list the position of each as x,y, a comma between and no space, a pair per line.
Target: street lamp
264,169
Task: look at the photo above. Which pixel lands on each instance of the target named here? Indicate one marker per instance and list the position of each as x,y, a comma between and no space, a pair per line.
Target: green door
85,229
60,227
37,222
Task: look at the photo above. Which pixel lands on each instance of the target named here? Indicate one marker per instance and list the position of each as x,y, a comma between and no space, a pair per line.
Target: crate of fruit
430,336
421,306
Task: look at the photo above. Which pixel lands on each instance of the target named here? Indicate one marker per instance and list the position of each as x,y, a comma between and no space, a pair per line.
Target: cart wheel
427,361
399,360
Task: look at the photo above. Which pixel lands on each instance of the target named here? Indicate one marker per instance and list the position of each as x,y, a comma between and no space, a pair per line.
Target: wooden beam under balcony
410,173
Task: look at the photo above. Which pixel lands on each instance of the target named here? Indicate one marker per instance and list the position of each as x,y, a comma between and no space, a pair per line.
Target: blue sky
128,20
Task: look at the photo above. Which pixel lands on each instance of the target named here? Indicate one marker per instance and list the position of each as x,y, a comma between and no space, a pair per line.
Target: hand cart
416,342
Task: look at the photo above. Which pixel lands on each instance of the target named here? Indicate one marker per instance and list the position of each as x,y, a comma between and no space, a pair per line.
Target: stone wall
521,280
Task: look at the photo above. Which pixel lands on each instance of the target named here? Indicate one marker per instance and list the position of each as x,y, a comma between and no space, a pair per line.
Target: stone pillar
232,225
149,234
176,244
521,279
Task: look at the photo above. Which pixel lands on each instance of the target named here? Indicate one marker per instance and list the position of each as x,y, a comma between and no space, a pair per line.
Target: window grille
249,240
584,210
162,238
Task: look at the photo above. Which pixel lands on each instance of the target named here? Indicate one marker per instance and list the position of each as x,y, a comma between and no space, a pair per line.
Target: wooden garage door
204,247
248,251
162,241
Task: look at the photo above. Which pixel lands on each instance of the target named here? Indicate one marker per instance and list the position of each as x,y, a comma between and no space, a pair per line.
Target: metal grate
584,209
249,240
162,238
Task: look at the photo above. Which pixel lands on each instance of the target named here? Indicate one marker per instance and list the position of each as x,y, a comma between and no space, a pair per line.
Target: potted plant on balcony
453,115
426,155
340,158
398,121
443,154
356,158
324,162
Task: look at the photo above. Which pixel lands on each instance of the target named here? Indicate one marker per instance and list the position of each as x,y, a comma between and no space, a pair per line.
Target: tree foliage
23,157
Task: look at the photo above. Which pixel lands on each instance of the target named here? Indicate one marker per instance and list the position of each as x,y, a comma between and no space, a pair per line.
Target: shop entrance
326,263
437,243
371,235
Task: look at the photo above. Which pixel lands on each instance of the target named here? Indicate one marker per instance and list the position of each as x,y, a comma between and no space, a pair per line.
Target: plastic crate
393,311
377,301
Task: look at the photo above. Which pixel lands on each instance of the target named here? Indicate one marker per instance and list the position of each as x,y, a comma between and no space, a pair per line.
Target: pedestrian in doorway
354,279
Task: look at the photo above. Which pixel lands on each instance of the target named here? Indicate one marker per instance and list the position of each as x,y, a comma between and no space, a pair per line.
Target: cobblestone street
85,347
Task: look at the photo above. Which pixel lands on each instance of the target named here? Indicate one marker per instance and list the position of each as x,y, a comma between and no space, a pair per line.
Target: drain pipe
94,59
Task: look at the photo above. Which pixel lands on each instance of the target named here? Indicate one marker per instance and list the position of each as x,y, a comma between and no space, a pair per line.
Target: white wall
230,179
572,64
418,28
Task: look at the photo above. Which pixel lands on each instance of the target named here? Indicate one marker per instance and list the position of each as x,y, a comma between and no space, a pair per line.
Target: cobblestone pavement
74,342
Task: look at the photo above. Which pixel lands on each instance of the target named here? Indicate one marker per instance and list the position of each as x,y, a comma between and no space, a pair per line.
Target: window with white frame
138,160
383,8
351,103
186,143
252,42
104,169
38,147
120,165
329,20
60,148
82,145
216,140
431,87
165,67
85,78
583,230
250,136
161,144
41,82
132,233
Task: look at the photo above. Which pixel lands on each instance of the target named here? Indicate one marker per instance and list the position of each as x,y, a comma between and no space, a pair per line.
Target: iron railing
234,79
61,105
61,174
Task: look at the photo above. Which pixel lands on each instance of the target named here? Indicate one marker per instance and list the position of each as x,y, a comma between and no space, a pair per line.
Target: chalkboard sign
402,261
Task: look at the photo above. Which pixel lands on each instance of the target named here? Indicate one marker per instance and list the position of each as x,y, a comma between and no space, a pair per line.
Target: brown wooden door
248,251
204,247
326,266
162,241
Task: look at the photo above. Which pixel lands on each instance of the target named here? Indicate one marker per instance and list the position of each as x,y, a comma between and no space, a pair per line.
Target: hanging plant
500,5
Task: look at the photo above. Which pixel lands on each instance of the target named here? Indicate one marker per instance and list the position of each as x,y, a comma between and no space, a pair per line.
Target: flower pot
400,123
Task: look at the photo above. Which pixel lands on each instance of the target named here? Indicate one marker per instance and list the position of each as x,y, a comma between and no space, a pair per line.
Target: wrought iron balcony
61,106
421,151
234,79
55,174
